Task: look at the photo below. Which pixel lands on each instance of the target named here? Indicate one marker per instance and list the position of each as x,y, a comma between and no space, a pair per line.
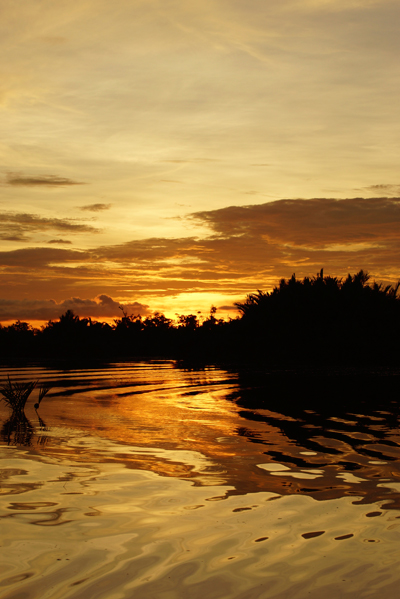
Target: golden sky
171,155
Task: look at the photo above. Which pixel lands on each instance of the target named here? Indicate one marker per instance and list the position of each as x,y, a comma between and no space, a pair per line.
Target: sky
170,156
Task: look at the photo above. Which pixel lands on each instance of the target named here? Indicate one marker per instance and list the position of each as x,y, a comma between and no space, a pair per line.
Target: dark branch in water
43,390
15,396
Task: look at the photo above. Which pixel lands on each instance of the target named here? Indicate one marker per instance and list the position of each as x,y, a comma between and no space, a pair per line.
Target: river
146,480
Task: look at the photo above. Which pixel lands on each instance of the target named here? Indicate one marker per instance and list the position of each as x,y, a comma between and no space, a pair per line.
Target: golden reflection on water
153,482
158,406
102,530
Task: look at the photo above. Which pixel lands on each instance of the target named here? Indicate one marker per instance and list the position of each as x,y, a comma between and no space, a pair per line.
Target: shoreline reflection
251,436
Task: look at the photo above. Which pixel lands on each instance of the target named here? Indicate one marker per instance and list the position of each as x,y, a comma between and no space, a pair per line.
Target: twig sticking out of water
16,395
43,390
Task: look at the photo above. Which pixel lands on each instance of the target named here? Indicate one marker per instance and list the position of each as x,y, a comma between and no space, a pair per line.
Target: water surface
147,480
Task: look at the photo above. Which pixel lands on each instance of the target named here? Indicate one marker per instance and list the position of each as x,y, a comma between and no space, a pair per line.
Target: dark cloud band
314,223
19,180
16,226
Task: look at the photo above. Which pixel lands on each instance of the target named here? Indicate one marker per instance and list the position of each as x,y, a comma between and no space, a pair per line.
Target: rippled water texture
149,481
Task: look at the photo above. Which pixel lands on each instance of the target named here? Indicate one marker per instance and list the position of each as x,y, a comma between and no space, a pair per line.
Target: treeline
131,336
316,320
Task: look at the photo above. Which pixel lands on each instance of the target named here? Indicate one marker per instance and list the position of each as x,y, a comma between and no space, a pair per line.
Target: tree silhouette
319,319
323,318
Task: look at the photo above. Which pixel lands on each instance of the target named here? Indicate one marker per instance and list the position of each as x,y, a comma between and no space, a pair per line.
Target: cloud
20,180
384,189
60,241
95,207
102,306
247,248
252,246
18,226
315,223
39,257
12,234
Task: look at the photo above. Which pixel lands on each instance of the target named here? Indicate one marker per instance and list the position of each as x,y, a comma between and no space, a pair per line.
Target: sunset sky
172,155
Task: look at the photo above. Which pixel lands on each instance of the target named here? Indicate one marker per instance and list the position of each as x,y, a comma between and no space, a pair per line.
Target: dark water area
234,483
345,422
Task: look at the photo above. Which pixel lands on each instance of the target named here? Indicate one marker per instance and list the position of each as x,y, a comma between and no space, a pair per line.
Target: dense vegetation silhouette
317,320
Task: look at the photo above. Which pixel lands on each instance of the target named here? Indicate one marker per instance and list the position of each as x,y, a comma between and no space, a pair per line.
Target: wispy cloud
390,189
20,180
19,226
95,207
60,241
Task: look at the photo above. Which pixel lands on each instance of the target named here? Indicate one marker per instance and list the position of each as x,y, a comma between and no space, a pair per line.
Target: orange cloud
247,248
